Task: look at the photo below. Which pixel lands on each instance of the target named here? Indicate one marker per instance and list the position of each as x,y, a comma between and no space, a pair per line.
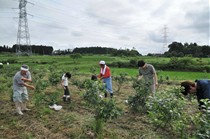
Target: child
64,83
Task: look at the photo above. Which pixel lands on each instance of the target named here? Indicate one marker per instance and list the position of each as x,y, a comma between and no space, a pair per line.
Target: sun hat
24,68
102,62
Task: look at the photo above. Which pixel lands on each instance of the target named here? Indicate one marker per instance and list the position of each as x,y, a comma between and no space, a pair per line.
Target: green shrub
55,78
120,80
166,111
137,102
203,126
91,96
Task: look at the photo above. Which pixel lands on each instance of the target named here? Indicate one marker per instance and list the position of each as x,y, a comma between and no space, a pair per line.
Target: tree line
176,49
99,50
36,49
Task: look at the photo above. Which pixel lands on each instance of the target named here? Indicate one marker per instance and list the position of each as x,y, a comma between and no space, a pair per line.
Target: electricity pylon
23,37
165,38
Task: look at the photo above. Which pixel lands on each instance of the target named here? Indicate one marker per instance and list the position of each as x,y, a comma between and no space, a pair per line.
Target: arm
155,79
100,76
26,79
62,81
28,86
139,77
155,76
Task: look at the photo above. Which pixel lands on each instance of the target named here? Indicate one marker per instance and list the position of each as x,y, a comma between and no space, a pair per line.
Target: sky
147,26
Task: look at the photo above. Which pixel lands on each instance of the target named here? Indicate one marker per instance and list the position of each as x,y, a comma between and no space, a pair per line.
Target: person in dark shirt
200,87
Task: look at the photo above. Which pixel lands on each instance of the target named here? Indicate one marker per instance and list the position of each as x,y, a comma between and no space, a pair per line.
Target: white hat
102,62
24,68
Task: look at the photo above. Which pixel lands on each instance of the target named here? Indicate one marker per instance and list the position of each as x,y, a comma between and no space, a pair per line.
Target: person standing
148,72
199,87
105,75
20,85
64,84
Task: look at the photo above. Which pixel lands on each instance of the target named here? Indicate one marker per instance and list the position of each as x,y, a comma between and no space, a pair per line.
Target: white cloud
119,24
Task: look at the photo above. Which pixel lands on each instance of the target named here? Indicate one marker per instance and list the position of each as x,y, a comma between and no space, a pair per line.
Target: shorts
20,97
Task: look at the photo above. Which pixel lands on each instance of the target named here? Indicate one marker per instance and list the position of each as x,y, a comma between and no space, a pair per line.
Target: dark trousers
66,96
66,91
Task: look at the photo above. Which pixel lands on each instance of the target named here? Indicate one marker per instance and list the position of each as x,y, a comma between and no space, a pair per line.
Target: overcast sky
139,24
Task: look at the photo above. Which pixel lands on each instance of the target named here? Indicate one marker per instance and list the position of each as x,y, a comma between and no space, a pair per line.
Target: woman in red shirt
105,75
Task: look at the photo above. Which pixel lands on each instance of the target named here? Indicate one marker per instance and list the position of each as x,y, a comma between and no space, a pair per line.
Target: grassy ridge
84,65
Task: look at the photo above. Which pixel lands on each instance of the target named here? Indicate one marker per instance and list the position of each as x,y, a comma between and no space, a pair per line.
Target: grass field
76,120
84,65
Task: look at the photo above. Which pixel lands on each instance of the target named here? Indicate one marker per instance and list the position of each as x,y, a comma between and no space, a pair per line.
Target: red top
107,73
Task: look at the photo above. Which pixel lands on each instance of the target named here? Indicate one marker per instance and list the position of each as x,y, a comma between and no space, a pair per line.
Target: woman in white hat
105,75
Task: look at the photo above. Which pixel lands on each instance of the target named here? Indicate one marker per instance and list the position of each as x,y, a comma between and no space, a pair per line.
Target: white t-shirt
64,80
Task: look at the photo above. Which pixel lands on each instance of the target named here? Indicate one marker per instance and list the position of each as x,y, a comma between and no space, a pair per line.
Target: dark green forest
36,49
175,49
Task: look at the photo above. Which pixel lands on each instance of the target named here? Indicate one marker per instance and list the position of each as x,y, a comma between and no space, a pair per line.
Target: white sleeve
63,77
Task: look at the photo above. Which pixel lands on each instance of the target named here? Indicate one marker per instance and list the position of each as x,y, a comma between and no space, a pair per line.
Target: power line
45,6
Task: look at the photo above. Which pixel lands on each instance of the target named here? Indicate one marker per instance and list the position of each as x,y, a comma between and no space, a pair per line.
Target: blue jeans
108,84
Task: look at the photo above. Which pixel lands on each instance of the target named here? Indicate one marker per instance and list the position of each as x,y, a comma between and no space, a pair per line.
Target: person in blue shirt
200,87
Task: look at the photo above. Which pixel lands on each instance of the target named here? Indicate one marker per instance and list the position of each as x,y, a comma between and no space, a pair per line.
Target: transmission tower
23,37
165,28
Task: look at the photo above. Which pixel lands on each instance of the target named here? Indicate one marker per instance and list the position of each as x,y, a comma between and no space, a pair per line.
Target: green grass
84,64
76,120
178,75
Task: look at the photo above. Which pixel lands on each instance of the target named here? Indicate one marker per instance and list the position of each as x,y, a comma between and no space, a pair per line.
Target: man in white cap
105,75
20,93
